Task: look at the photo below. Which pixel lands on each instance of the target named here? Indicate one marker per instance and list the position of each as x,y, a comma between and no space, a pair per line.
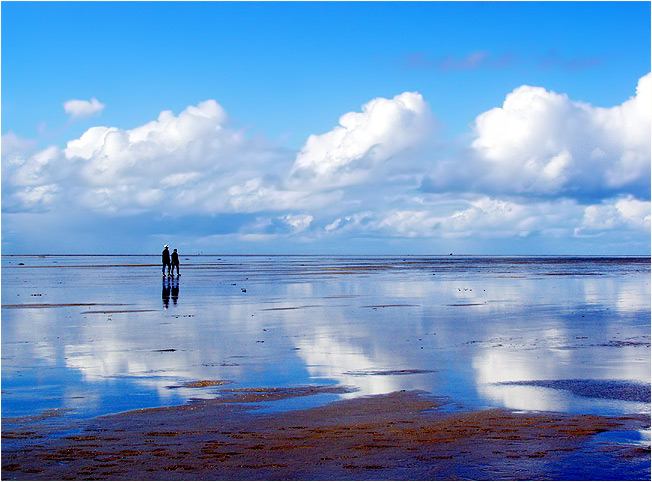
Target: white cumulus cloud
475,218
541,165
364,141
628,213
14,146
83,108
298,222
194,161
34,182
543,142
189,163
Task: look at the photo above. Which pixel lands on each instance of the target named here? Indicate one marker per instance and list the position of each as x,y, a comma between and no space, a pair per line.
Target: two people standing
171,261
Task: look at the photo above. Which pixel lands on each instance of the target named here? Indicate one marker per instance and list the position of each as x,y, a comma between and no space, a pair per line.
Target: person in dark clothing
166,259
175,262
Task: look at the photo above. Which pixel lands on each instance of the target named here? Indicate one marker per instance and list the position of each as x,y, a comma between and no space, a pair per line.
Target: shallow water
103,334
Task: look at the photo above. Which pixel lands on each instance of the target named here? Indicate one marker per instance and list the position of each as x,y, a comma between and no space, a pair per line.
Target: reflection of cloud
330,357
525,398
125,356
475,326
552,353
630,294
495,365
29,328
102,349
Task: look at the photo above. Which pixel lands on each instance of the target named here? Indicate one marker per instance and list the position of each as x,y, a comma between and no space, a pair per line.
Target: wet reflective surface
103,334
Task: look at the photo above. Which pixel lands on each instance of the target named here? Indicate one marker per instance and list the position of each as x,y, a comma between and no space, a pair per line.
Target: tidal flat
326,367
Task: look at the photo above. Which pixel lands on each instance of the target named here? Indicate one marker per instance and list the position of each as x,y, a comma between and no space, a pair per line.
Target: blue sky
425,128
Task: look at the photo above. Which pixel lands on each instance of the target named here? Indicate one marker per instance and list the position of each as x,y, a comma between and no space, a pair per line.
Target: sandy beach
320,368
399,436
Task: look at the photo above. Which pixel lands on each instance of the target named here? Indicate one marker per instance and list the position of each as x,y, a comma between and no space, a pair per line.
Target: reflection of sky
467,325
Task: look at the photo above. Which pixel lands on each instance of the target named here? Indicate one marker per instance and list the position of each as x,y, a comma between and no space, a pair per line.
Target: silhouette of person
166,259
175,290
166,293
175,262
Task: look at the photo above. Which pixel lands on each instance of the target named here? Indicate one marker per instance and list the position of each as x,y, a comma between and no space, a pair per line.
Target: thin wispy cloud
480,60
476,60
554,60
77,109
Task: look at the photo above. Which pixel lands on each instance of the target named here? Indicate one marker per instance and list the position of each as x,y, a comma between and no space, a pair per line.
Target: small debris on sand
201,384
363,373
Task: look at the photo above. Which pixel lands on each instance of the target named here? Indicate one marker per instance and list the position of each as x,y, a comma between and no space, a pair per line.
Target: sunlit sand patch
256,395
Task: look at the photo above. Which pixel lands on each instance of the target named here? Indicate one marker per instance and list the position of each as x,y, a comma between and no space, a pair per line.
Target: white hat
166,246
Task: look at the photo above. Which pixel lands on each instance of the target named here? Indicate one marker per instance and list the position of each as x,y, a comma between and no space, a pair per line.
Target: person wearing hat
166,259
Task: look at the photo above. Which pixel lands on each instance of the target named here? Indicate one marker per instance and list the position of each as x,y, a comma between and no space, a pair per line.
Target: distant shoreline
506,256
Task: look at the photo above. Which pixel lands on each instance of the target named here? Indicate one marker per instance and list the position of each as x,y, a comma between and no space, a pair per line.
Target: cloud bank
540,165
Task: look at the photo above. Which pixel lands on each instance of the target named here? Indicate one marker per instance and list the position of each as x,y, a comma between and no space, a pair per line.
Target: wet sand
384,369
398,436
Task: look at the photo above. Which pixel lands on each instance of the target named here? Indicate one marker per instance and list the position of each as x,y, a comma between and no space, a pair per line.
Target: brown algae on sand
401,435
201,384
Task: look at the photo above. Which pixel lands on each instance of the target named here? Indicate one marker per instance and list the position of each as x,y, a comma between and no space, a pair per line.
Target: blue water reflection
101,334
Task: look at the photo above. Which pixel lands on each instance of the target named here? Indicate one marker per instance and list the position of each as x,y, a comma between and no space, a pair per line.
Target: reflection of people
175,261
166,259
175,290
166,292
